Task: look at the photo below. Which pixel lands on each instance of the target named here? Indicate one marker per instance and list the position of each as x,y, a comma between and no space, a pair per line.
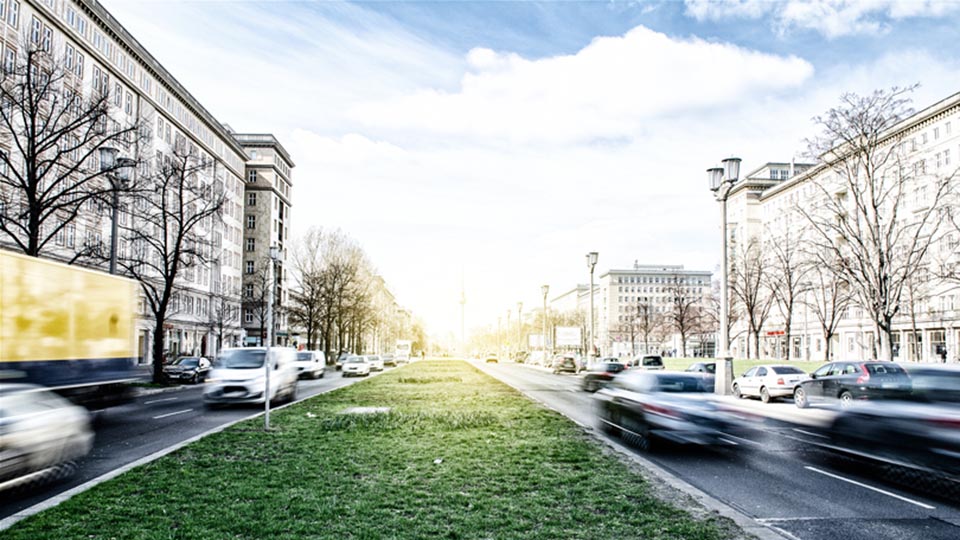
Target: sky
494,144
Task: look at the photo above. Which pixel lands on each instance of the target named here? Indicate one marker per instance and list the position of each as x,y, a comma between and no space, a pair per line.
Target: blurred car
238,376
702,367
768,382
192,369
38,430
310,364
649,362
340,359
565,363
376,363
934,383
356,366
492,359
675,406
850,381
600,374
389,360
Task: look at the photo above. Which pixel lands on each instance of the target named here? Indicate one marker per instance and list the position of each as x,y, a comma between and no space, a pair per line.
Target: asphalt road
151,423
774,474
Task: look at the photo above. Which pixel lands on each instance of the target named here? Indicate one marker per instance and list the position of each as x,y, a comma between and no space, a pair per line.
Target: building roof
263,140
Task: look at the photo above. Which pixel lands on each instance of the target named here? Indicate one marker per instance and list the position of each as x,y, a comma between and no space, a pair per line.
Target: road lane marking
728,441
171,414
159,400
743,439
810,433
878,490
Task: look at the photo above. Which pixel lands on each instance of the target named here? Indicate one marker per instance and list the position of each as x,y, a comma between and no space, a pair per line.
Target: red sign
776,333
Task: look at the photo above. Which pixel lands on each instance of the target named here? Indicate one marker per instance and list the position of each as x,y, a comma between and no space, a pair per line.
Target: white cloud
831,18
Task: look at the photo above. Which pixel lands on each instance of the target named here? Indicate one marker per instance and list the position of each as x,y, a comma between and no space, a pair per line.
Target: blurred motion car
565,363
192,369
768,382
389,360
492,358
648,362
310,364
600,374
238,376
376,363
702,367
39,430
356,366
845,382
674,406
934,382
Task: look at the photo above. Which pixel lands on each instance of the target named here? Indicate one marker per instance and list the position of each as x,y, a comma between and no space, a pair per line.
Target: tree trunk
828,337
884,331
158,350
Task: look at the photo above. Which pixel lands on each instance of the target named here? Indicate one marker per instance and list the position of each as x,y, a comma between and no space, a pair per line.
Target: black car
850,381
192,369
601,374
703,367
565,364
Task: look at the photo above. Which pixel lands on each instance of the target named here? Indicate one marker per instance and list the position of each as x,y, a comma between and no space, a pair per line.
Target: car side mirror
813,375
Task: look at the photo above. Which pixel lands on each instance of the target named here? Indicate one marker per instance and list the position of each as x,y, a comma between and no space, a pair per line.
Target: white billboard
535,341
568,336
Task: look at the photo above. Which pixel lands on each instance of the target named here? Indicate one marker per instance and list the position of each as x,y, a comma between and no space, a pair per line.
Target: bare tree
787,278
255,299
917,293
224,314
862,221
51,135
749,284
711,314
170,232
647,322
683,312
831,298
306,297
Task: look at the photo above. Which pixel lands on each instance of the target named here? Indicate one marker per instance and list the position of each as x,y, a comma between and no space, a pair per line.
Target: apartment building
101,55
766,205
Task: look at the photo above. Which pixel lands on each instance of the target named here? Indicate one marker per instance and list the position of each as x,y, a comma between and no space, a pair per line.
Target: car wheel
764,395
322,373
195,379
800,398
292,396
736,392
846,399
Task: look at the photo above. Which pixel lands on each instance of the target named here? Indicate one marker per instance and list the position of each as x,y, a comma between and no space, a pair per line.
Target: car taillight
865,377
949,423
780,381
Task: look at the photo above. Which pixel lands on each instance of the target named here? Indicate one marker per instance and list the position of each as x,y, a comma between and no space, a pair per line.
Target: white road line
810,433
171,414
743,439
159,400
728,441
878,490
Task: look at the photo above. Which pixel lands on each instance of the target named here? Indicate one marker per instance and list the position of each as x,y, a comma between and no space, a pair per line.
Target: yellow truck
67,328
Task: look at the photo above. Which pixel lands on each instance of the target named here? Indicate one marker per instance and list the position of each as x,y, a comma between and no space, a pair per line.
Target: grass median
457,455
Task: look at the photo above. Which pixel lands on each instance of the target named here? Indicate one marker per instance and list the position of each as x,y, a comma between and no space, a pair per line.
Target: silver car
238,376
768,382
376,363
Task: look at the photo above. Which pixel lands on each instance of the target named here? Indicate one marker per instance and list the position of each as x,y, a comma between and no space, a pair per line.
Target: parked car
376,363
702,367
238,376
768,382
389,360
600,374
649,362
674,406
356,366
310,364
492,359
340,359
192,369
38,430
565,363
850,381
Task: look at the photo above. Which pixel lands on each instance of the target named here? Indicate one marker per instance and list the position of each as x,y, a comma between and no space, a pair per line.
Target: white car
768,382
238,376
376,363
310,364
356,366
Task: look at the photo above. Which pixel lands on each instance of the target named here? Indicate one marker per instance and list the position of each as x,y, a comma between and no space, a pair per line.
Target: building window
251,222
248,290
251,244
249,267
251,176
68,58
248,316
936,134
117,95
128,108
251,199
78,69
13,16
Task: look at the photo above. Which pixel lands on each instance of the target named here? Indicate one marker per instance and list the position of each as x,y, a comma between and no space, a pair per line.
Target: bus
67,328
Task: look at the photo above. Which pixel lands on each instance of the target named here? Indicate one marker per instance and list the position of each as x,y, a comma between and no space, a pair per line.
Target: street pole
543,345
274,254
519,328
499,345
721,181
591,263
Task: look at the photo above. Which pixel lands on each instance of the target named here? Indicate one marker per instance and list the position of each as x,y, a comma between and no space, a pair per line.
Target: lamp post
545,289
591,263
499,345
721,181
274,256
519,328
506,331
117,170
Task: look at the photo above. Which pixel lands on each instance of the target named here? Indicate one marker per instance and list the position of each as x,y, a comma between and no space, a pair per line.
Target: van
310,364
238,376
649,362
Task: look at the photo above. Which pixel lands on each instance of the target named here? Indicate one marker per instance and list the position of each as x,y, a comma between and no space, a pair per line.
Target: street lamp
591,263
499,345
117,170
721,181
274,256
543,345
519,328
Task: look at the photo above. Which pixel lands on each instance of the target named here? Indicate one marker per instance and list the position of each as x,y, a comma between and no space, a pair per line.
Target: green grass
509,469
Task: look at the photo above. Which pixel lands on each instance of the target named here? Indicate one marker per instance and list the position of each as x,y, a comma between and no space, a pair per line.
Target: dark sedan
192,369
703,367
849,381
674,406
601,374
565,363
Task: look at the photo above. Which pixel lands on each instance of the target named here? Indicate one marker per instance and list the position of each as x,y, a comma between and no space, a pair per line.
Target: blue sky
504,140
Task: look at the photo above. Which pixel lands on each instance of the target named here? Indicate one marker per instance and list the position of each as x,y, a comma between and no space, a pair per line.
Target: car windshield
240,359
882,369
652,361
355,360
187,362
304,356
787,370
682,383
613,367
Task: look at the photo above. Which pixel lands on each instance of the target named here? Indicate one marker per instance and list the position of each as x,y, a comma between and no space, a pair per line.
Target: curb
749,525
9,521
